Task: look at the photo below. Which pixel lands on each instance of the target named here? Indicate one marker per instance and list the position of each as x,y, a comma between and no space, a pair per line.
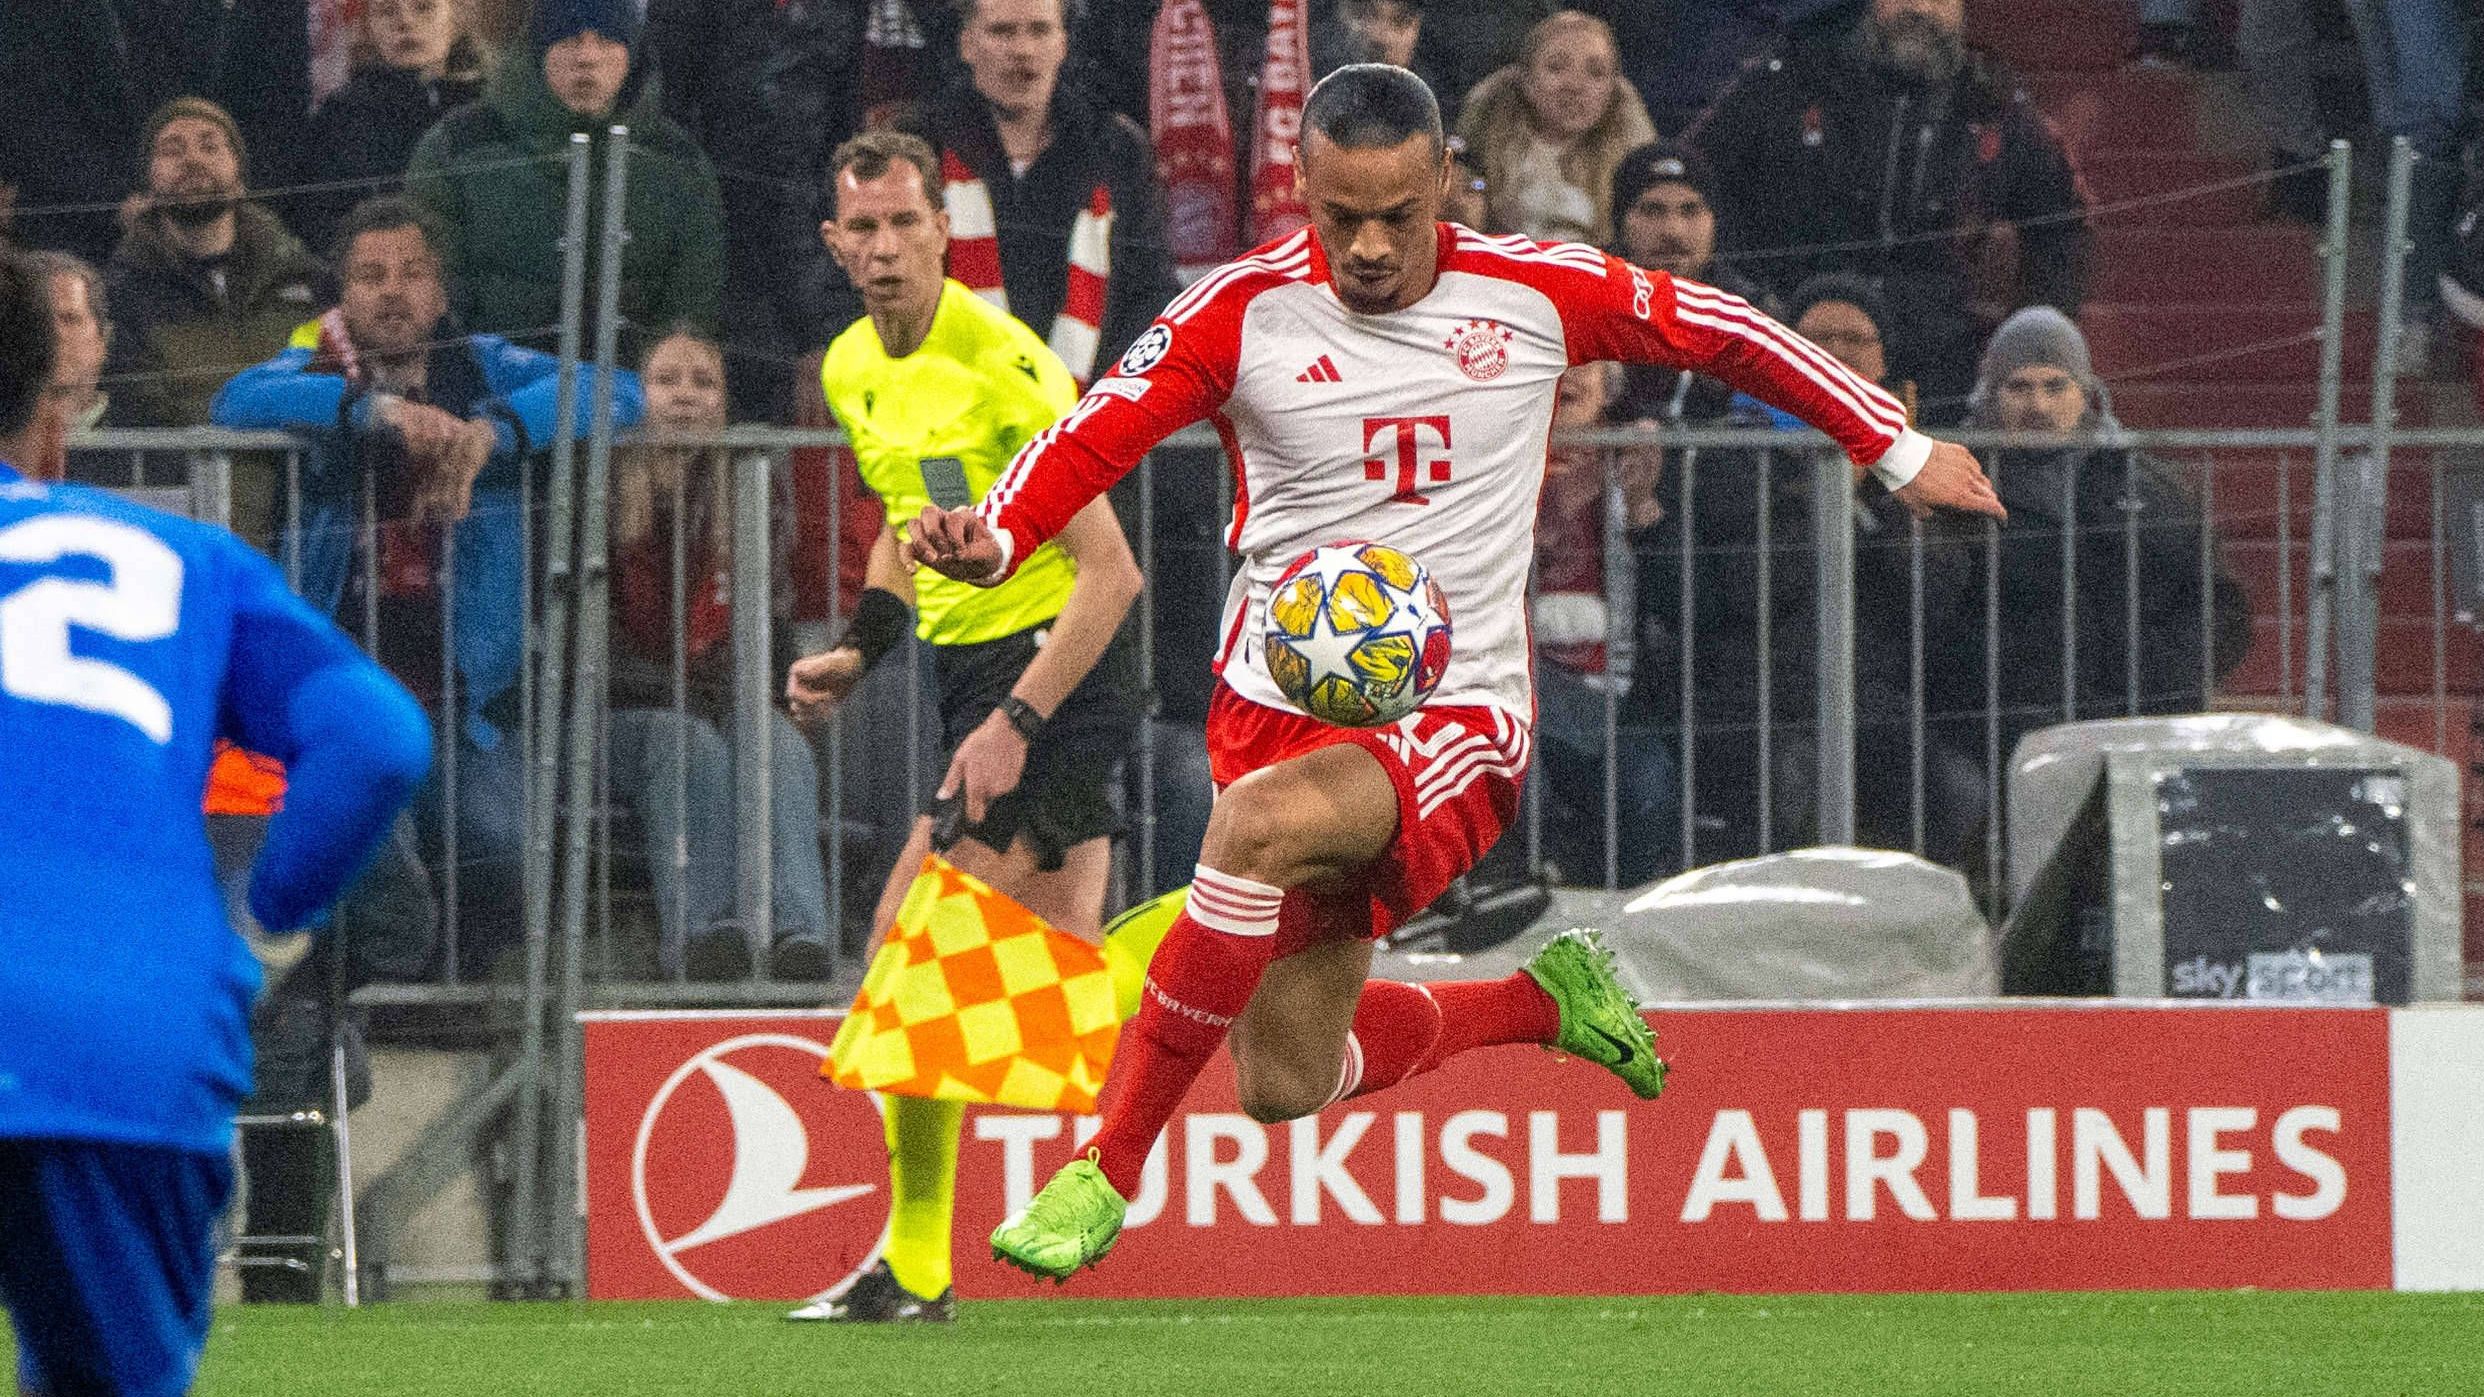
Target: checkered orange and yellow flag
974,998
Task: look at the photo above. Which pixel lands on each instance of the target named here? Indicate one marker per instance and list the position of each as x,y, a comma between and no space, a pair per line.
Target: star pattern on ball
1357,634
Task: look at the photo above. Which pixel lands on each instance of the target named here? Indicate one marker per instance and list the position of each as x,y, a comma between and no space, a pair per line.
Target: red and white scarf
974,259
332,27
1284,81
1194,137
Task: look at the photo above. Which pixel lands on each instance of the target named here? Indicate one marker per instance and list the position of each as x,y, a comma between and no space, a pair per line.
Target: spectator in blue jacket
424,431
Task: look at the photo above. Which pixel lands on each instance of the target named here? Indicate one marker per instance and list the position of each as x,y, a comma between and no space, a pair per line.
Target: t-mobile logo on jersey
1409,432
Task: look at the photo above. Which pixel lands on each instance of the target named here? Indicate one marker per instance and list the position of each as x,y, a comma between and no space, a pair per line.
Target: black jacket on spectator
1034,212
1825,163
767,93
78,79
2102,503
363,136
811,84
1680,54
1722,660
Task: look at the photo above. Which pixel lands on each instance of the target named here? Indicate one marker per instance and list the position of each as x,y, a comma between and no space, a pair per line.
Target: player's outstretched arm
956,543
1634,315
1951,479
1177,373
354,743
993,756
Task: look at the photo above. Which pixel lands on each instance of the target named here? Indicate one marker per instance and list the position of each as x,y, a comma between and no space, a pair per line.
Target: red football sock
1200,977
1402,1030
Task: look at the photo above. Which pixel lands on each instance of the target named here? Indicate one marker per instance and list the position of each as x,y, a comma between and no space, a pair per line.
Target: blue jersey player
129,641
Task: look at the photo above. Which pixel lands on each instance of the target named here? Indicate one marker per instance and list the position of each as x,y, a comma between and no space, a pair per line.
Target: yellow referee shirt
977,389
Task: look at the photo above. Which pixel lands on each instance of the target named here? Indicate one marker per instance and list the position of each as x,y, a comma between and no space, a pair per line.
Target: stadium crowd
344,219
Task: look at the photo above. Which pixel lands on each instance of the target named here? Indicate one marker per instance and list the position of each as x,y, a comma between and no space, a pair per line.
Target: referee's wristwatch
1022,715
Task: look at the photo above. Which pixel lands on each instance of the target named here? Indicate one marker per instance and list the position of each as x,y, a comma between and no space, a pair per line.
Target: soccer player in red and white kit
1380,375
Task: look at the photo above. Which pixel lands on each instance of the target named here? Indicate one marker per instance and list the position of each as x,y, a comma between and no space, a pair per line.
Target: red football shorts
1458,772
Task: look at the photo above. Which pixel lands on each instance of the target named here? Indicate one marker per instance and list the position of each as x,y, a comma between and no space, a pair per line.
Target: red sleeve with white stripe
1178,372
1650,317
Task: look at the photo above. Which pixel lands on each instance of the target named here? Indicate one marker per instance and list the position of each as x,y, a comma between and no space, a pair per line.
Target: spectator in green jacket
494,173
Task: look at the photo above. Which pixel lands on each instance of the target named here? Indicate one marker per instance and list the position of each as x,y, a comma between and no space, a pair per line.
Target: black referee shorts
1065,797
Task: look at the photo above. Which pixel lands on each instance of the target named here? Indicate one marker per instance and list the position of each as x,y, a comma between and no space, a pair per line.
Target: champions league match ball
1358,634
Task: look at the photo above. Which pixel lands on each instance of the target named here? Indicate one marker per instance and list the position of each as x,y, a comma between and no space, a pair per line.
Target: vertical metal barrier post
1146,757
1763,667
754,736
543,778
834,776
2333,249
564,1238
211,485
1832,523
678,856
1996,880
1686,659
1918,694
2362,511
1621,612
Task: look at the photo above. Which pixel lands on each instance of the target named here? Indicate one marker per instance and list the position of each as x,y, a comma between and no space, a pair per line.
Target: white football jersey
1426,428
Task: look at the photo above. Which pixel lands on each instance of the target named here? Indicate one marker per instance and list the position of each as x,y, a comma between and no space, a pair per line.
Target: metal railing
1742,533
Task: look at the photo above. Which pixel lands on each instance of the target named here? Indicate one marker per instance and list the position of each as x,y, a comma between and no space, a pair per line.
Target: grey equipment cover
1813,924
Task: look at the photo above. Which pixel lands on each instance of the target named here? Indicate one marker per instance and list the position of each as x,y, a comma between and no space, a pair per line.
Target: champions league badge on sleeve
1148,350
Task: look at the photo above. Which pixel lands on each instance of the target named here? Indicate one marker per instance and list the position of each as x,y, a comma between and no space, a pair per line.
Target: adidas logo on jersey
1322,370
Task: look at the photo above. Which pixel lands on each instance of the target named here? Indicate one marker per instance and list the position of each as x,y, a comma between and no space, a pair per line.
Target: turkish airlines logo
728,1192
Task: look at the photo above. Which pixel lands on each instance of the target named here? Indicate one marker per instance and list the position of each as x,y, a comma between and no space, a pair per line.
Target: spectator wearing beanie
495,175
423,63
78,79
1664,219
2036,377
205,284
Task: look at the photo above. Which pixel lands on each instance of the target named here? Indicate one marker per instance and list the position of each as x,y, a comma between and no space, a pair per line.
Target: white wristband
1904,460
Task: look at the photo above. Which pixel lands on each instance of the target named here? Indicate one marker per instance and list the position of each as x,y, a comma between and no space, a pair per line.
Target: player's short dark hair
384,213
28,344
1373,106
874,153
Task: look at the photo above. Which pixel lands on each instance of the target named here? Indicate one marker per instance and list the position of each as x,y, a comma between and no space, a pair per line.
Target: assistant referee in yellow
1040,694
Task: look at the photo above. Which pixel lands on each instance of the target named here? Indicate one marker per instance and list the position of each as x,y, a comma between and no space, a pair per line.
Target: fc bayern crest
1482,349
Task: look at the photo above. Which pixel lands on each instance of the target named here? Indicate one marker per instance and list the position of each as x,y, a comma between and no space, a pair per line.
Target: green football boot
1600,1022
1070,1224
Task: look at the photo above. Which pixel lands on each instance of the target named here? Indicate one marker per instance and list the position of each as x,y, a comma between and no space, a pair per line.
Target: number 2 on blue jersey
141,602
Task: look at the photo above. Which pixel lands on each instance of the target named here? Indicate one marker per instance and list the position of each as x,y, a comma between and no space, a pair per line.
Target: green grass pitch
2127,1345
